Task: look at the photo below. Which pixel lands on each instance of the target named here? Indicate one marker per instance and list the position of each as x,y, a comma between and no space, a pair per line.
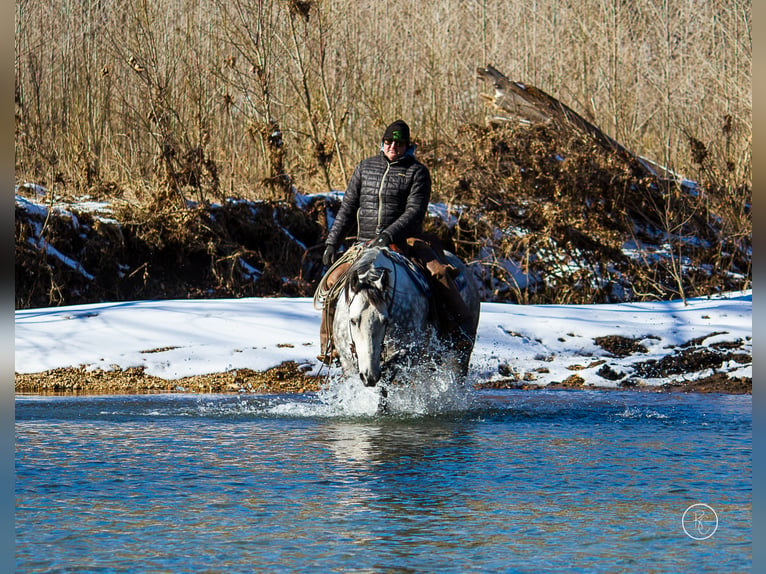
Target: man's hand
382,240
328,257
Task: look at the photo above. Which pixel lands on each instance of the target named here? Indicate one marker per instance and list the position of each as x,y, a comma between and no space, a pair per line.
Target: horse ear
352,282
361,278
381,281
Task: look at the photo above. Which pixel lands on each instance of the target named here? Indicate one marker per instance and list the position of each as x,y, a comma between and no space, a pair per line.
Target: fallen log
516,101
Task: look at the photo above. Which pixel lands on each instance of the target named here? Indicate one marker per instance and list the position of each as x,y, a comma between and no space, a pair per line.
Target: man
387,197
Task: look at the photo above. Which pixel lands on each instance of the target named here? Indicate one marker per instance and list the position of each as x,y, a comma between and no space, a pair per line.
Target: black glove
382,240
328,257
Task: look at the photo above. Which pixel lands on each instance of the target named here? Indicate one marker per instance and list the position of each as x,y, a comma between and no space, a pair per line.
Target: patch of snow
539,343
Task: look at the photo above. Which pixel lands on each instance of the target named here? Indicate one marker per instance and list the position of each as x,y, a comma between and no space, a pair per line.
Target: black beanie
398,132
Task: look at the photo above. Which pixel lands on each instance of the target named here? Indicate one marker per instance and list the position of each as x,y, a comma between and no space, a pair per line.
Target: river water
491,481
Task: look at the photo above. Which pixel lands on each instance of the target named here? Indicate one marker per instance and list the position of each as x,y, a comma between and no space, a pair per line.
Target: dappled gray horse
383,318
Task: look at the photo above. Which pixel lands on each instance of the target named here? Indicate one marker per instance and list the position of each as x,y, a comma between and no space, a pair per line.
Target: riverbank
289,377
258,345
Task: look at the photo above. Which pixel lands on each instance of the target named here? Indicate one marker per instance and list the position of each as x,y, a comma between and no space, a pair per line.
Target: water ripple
493,481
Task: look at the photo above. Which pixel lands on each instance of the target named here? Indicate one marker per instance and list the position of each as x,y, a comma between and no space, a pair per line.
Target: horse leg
383,401
456,318
448,292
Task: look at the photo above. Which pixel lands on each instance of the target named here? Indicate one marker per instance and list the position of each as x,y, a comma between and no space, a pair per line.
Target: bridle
388,298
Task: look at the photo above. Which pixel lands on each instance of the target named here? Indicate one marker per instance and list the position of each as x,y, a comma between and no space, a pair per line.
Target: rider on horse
387,197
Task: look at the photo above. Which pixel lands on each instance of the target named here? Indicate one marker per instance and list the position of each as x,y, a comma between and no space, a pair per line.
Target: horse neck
402,288
400,285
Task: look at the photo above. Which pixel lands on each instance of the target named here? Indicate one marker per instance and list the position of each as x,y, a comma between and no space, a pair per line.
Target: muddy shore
289,377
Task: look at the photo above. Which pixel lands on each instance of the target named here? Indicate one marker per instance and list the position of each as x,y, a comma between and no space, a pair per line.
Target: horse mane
361,276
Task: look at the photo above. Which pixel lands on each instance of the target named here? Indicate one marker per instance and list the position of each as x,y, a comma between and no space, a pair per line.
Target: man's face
394,149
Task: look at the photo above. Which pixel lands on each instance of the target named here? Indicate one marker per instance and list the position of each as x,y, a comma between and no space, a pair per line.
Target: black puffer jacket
384,196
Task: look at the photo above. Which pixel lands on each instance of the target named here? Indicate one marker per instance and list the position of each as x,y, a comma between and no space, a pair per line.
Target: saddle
327,295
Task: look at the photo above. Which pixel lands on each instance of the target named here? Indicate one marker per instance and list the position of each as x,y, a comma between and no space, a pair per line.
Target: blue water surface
515,481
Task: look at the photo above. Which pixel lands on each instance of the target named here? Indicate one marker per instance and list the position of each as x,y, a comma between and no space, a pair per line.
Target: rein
392,287
389,299
324,293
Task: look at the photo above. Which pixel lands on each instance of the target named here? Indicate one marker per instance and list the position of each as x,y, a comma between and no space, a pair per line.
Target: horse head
384,324
368,295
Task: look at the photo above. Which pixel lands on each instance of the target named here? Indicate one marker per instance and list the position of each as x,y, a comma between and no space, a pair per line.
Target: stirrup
328,357
462,340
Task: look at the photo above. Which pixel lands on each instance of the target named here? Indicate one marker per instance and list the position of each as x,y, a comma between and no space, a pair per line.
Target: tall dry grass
208,98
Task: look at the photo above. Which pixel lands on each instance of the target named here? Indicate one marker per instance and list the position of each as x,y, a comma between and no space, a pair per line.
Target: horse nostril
368,381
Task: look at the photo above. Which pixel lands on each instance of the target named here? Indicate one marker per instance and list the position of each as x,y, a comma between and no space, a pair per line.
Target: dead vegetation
543,215
237,249
285,378
132,90
549,213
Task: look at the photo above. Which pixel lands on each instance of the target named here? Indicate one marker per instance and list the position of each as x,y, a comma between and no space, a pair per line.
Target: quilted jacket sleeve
346,216
410,222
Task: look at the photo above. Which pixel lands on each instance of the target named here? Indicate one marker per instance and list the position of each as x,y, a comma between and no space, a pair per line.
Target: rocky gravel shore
289,377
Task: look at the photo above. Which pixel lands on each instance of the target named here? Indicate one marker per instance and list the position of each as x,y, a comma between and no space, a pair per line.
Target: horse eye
354,321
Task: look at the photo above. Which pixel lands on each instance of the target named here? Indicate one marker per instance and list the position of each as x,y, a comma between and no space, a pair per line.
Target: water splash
347,396
424,391
641,413
429,393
